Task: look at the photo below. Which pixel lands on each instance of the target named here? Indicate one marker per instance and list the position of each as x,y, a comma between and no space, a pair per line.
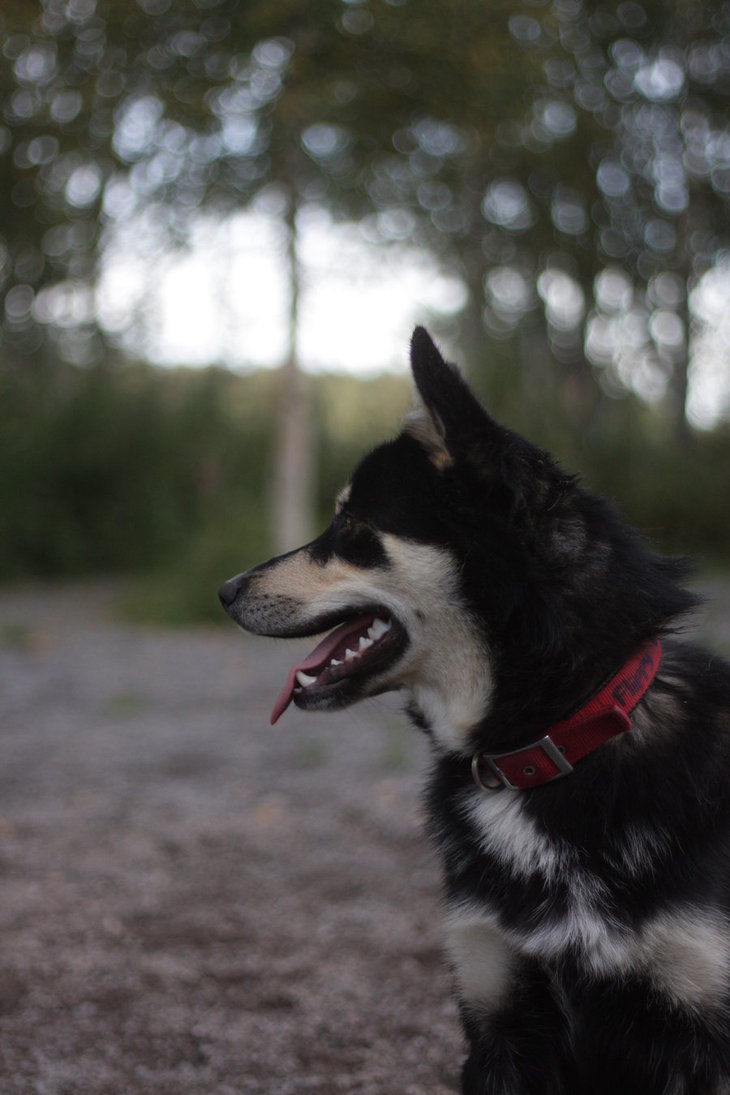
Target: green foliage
184,588
115,106
353,415
529,150
166,473
137,469
677,495
530,147
674,489
118,468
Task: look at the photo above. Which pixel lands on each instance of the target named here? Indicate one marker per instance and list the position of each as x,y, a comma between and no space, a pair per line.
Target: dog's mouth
334,673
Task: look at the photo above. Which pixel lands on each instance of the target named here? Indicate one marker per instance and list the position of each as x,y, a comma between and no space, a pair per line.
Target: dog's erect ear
447,417
456,430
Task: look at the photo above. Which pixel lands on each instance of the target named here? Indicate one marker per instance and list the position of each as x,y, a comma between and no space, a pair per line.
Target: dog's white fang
378,628
304,679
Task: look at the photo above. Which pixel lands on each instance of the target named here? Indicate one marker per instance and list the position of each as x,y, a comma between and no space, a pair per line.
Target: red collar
604,717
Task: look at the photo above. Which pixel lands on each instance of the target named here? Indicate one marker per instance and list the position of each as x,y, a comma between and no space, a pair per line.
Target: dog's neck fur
568,662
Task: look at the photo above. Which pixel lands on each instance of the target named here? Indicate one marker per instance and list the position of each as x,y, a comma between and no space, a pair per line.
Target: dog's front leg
521,1048
517,1032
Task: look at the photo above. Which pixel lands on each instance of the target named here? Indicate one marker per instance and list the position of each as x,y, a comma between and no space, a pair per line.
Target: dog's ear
447,418
456,431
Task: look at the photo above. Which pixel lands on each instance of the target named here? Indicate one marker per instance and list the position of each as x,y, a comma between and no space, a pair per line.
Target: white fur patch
683,951
508,832
342,498
687,954
586,928
481,958
447,666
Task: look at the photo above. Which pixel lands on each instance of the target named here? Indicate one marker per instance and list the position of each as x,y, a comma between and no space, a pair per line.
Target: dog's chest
533,888
518,892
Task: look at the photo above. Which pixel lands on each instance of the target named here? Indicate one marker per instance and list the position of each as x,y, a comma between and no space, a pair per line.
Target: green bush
117,469
185,589
165,473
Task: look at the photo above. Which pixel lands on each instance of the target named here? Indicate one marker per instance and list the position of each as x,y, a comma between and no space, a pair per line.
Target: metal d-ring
477,776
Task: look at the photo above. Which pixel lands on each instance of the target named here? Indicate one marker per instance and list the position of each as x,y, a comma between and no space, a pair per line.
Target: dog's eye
357,541
350,525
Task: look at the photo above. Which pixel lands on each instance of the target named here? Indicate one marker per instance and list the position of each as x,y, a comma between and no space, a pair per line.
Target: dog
581,748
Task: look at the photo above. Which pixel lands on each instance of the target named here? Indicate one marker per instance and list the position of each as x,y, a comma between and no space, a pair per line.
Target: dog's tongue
319,657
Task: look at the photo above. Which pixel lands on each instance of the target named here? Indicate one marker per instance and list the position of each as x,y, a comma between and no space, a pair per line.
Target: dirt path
193,902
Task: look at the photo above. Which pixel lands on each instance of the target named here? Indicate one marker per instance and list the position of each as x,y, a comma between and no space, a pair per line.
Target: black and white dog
579,794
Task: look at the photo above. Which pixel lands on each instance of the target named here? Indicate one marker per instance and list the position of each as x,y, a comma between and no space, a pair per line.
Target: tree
586,216
118,107
642,209
569,162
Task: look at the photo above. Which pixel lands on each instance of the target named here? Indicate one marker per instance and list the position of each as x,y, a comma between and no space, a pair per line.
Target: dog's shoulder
627,821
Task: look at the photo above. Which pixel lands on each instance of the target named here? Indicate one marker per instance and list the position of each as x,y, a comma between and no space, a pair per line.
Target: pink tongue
317,659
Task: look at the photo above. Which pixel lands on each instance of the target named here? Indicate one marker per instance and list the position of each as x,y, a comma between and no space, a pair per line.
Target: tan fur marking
304,583
419,424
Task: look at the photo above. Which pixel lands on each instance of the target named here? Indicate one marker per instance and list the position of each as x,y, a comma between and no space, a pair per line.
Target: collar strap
604,716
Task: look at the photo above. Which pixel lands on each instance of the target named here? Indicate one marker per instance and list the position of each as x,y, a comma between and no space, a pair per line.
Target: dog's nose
229,591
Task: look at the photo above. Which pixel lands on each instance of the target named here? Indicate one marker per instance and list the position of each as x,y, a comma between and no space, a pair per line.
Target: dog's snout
229,590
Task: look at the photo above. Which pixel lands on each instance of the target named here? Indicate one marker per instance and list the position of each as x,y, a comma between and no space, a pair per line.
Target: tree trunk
679,383
293,483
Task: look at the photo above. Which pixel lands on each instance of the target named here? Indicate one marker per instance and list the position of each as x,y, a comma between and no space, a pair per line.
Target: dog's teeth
349,655
364,643
378,628
335,662
304,679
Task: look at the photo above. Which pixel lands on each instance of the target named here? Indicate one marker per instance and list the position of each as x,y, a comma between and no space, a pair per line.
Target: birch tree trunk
294,474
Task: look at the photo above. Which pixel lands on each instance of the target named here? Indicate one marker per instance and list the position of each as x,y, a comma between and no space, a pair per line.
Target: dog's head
457,552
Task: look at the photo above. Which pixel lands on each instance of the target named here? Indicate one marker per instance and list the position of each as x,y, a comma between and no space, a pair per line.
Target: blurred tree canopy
568,160
120,106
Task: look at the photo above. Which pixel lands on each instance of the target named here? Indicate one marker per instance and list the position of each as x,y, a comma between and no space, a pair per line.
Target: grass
398,746
18,637
124,705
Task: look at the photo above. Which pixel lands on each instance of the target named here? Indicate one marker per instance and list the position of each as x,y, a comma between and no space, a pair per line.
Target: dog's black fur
588,919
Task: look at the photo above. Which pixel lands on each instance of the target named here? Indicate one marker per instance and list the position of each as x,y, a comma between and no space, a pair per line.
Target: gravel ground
193,902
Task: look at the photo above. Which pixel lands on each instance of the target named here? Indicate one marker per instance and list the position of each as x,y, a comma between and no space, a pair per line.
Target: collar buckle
534,757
